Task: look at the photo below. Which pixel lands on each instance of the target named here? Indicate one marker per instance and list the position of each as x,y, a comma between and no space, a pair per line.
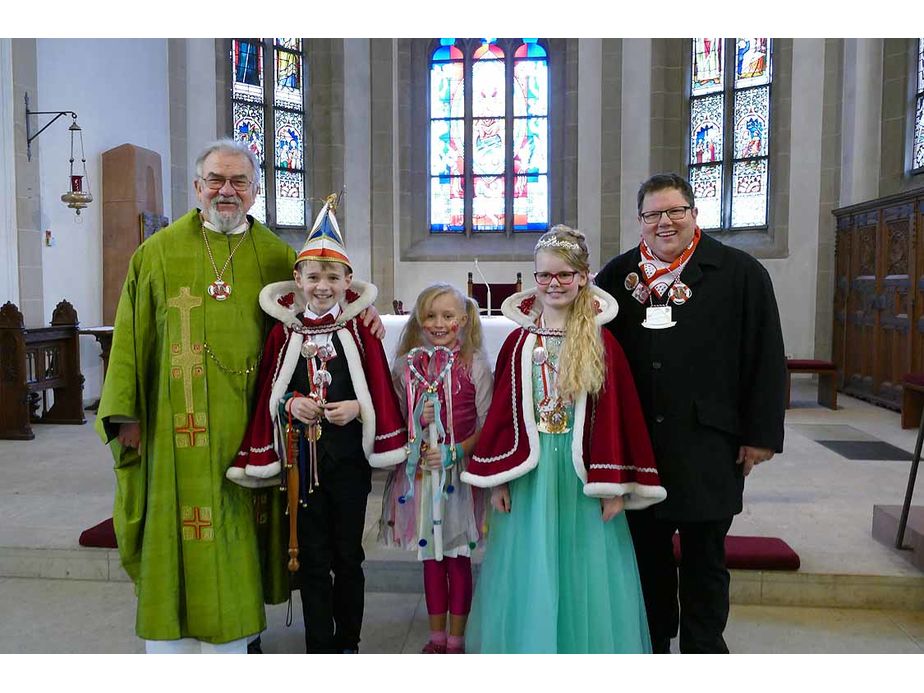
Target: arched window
730,131
269,115
917,144
494,94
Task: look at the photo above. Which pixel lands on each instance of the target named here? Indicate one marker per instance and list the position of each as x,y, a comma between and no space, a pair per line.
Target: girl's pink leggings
448,586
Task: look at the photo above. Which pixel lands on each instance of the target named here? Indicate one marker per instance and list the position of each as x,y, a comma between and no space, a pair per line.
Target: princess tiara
557,243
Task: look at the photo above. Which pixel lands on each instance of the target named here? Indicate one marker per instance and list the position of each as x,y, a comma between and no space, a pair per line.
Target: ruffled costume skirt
555,577
408,522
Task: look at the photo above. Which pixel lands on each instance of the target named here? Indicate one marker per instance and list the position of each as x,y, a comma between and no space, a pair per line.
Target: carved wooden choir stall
879,296
33,361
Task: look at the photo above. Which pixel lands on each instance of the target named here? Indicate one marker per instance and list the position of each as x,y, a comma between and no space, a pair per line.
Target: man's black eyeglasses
674,214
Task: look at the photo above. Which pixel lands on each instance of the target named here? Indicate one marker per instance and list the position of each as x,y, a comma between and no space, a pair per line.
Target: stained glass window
917,147
707,66
447,138
730,130
493,94
530,137
269,114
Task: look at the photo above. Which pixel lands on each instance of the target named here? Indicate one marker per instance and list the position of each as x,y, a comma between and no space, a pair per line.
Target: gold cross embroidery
191,431
187,357
197,523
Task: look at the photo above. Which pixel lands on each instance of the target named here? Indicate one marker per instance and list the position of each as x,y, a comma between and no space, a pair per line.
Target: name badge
658,318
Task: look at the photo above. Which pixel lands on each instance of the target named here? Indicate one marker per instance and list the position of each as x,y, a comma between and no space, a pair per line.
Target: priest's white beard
225,221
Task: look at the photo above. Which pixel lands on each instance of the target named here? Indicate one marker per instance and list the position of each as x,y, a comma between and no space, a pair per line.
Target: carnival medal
219,290
553,413
641,293
680,293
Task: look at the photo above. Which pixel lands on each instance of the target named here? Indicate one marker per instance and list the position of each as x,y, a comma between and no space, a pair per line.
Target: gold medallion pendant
220,289
313,432
554,418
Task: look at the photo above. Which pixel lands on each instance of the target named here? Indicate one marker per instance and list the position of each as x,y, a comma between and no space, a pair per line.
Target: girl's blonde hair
471,338
581,367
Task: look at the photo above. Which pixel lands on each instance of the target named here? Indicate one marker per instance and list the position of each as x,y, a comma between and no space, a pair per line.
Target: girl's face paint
442,320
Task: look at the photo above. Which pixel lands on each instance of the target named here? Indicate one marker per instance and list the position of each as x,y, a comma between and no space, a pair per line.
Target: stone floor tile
61,616
793,630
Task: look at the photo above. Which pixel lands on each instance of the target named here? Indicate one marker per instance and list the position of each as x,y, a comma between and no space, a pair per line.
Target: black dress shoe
255,646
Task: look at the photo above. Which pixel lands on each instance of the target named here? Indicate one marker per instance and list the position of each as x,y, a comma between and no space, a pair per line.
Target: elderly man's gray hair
227,145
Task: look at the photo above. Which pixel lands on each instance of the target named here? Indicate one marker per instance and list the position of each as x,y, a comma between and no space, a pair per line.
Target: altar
495,329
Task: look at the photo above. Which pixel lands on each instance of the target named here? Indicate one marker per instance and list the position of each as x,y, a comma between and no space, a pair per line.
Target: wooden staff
292,482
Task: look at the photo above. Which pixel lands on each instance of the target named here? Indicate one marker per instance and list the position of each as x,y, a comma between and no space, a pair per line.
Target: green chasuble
202,551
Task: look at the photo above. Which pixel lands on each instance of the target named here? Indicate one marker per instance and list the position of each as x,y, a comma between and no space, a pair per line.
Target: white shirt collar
334,312
323,338
243,226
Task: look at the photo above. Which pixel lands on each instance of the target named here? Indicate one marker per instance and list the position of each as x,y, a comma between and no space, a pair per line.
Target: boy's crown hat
325,244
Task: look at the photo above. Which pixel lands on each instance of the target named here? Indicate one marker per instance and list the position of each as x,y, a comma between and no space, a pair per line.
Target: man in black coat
699,324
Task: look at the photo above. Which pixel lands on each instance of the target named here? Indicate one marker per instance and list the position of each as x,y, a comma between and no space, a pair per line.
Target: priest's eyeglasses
239,183
545,278
674,214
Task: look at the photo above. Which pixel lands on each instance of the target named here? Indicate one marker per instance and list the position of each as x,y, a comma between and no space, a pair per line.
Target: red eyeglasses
545,278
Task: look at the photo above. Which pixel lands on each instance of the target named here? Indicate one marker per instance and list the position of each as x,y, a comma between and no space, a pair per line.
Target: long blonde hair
582,367
471,337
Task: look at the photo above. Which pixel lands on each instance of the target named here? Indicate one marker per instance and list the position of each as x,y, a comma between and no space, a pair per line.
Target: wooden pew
827,379
912,399
33,361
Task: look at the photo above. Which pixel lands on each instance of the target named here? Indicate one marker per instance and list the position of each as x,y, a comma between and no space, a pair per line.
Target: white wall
118,88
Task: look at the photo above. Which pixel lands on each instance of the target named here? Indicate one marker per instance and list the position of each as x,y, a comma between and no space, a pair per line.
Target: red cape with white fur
258,463
612,457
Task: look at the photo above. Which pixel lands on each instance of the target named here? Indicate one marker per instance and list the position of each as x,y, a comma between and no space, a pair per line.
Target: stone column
28,188
636,133
357,138
590,118
861,120
9,237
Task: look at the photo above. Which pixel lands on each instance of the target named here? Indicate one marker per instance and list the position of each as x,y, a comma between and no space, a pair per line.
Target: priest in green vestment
178,393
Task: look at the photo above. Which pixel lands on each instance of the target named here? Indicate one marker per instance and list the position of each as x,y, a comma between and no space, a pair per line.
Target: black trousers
703,585
330,535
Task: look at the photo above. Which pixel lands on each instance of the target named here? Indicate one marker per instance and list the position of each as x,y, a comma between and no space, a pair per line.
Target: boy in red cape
326,404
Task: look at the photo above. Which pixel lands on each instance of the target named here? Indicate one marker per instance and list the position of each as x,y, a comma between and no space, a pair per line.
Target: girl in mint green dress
559,572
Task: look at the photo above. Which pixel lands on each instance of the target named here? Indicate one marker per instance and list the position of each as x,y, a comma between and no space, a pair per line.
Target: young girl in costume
565,450
443,380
